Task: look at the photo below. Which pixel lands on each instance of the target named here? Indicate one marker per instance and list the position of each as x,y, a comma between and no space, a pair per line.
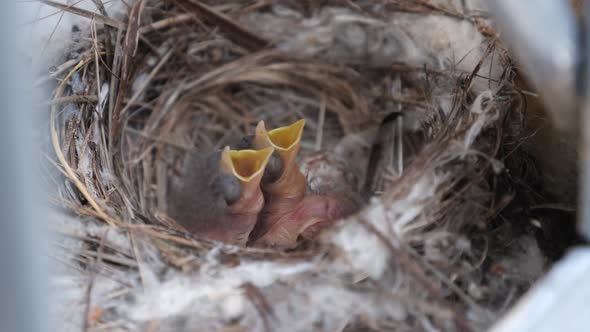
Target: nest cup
423,130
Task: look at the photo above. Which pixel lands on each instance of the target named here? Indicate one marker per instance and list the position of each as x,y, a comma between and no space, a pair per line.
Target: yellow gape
286,142
246,165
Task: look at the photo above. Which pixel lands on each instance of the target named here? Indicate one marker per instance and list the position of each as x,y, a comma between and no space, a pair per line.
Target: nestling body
257,195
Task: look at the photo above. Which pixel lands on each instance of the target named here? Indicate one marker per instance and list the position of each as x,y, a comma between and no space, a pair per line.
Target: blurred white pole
545,38
24,276
559,302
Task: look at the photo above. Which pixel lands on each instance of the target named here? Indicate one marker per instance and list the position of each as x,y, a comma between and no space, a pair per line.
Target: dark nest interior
414,106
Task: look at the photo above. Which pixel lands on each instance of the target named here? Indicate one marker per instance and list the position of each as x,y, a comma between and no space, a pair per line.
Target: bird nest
418,98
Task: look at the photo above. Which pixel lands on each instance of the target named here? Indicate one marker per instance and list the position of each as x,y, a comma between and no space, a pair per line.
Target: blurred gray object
544,36
560,302
549,42
23,277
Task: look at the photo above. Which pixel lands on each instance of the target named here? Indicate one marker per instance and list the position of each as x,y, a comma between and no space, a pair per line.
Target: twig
113,87
321,120
167,22
554,206
58,71
69,100
234,32
260,303
84,13
129,49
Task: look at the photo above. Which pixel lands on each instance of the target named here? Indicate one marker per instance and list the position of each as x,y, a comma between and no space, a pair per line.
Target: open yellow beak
286,142
246,165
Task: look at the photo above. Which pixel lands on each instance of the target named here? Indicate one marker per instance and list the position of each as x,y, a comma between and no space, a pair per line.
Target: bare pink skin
289,213
283,221
231,229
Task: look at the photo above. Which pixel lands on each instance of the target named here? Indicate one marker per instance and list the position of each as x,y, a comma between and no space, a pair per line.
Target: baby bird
257,195
289,211
218,196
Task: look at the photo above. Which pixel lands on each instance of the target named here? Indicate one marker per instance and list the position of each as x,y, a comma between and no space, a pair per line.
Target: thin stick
400,146
113,88
84,13
69,99
129,50
168,22
321,121
233,30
